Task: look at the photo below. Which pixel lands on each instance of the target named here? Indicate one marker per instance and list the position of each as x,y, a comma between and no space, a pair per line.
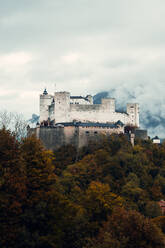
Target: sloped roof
156,138
79,97
92,124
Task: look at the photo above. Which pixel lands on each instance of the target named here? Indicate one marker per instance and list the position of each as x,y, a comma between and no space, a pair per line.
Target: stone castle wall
96,113
78,136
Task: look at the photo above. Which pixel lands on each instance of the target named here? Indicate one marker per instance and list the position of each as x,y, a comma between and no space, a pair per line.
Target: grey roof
79,97
91,124
156,138
76,97
121,112
45,92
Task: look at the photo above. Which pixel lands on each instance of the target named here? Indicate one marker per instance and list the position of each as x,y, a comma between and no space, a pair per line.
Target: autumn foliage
103,195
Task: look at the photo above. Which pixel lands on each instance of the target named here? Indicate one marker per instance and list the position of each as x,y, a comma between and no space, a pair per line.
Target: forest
104,195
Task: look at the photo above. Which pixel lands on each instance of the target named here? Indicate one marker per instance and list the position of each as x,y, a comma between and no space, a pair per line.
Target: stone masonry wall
95,113
55,137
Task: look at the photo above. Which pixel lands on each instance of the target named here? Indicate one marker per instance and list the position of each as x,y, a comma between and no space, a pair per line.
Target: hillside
104,195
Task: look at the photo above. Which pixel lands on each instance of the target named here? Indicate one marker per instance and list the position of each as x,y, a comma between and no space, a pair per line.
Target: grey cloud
33,21
85,46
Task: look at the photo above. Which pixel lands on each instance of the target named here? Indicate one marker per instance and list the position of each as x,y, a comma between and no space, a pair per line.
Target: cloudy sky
82,46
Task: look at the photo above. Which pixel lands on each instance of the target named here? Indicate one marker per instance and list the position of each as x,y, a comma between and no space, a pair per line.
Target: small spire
45,92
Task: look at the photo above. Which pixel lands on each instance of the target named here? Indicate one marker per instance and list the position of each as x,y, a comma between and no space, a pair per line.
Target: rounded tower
45,102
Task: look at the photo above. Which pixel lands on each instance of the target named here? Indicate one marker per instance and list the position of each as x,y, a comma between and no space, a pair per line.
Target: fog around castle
84,47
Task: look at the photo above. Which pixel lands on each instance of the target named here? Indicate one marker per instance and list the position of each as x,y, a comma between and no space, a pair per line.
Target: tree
156,192
48,214
152,209
14,122
41,196
99,202
160,222
64,156
12,190
127,229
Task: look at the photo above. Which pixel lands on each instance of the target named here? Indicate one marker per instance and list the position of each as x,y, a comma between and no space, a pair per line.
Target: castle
62,108
66,119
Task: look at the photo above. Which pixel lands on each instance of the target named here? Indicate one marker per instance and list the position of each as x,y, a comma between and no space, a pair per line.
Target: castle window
95,132
87,132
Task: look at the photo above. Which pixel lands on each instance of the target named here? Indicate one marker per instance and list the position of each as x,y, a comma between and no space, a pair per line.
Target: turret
45,102
90,98
61,106
108,104
133,112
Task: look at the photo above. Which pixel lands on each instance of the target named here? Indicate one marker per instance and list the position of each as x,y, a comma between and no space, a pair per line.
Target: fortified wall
76,134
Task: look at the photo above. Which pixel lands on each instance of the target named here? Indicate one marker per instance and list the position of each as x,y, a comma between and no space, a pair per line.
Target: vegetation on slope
104,195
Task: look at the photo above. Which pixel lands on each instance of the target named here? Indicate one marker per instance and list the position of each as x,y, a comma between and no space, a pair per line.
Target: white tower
45,102
133,112
61,106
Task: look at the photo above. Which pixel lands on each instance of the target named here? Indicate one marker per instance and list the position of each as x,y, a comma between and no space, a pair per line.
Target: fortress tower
61,107
45,103
133,112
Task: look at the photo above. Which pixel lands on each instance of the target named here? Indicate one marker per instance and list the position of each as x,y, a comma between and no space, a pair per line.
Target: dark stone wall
54,138
141,134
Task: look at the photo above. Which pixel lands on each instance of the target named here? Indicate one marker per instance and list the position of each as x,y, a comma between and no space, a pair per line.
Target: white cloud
13,62
71,58
15,59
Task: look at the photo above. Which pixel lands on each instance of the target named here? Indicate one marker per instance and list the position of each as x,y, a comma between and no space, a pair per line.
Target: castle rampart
76,134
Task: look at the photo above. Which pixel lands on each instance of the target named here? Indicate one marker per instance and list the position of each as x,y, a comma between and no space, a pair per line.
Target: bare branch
14,122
